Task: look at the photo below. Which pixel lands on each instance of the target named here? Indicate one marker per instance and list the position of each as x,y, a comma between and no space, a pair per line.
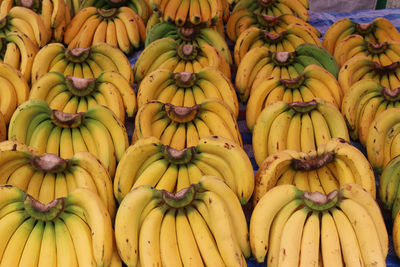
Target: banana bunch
180,127
190,35
191,12
73,95
297,8
26,21
149,162
384,53
187,88
75,230
120,27
382,142
243,19
378,31
361,67
388,189
260,64
314,82
298,126
47,177
153,20
291,227
74,6
287,40
325,169
97,131
139,6
14,91
166,53
365,100
84,62
18,51
201,225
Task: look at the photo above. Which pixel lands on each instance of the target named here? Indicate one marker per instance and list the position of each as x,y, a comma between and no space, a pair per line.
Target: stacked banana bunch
75,230
120,27
97,131
81,62
72,94
46,177
201,225
166,53
181,127
149,162
291,227
260,64
298,126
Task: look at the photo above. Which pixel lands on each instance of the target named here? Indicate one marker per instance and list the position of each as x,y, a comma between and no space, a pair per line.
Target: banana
76,23
31,252
9,225
331,37
65,247
330,245
169,250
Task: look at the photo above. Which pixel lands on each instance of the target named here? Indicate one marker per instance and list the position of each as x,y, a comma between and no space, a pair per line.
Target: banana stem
67,120
189,33
43,212
181,114
391,95
320,202
49,163
376,48
187,51
364,29
27,3
176,156
266,3
293,83
273,38
185,79
313,163
107,13
77,55
180,199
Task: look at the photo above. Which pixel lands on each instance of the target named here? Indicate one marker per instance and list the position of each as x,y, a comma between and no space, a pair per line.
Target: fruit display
14,91
361,67
202,224
260,64
167,53
380,30
149,162
73,94
187,88
243,19
84,62
298,126
382,138
75,230
46,177
287,40
293,227
191,12
26,21
365,100
181,127
314,82
189,35
120,27
331,166
298,8
97,131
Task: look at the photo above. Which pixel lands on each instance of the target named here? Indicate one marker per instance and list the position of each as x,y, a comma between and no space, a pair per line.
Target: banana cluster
383,140
81,62
149,162
260,64
314,82
378,31
191,12
47,177
298,126
291,227
190,35
97,131
361,67
243,19
141,7
201,225
365,100
73,94
167,53
120,27
187,88
26,21
388,189
325,169
181,127
287,40
384,53
298,8
75,230
14,91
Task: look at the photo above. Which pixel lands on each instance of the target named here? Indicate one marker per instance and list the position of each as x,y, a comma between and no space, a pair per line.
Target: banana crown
35,5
